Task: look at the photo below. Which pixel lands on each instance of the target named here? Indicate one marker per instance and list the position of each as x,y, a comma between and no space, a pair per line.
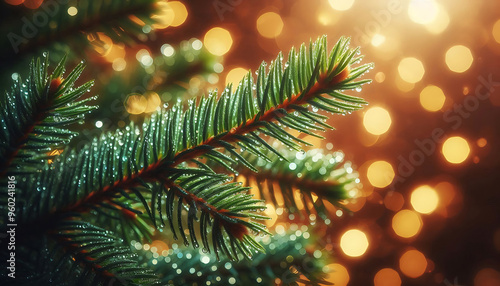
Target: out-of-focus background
429,210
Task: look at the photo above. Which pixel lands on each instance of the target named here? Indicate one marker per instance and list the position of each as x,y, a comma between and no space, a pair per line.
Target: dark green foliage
50,27
157,174
285,258
34,114
312,173
79,253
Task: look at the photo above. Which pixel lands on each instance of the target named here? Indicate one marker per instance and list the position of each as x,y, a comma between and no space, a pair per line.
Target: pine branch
318,177
34,113
77,253
121,20
284,258
130,160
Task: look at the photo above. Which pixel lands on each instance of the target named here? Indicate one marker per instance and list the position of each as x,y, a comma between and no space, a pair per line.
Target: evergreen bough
78,212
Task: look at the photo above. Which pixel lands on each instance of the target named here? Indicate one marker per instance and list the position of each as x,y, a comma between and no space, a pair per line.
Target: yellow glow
136,104
337,274
411,70
432,98
328,17
380,77
455,149
378,40
423,11
424,199
354,243
341,5
380,174
154,101
413,263
72,11
173,13
404,86
270,25
119,64
234,76
102,43
377,120
440,22
459,58
387,277
496,31
406,223
218,41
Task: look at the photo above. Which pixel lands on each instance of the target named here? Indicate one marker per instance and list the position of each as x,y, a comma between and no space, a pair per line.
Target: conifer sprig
311,177
131,161
34,115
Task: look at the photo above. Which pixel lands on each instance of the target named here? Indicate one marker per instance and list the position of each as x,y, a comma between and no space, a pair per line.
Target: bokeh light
218,41
487,277
406,223
424,199
377,120
394,201
354,243
235,75
136,104
337,274
341,5
432,98
377,40
440,22
387,277
172,13
411,70
455,149
496,31
270,25
423,11
380,174
413,263
459,58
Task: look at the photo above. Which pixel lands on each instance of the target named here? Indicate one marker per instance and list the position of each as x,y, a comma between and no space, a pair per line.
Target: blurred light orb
459,58
218,41
119,64
235,75
481,142
424,199
394,201
440,23
136,104
413,263
336,274
455,149
496,31
377,40
270,25
377,120
380,174
423,11
387,277
432,98
172,13
411,70
72,11
487,277
354,243
341,5
406,223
